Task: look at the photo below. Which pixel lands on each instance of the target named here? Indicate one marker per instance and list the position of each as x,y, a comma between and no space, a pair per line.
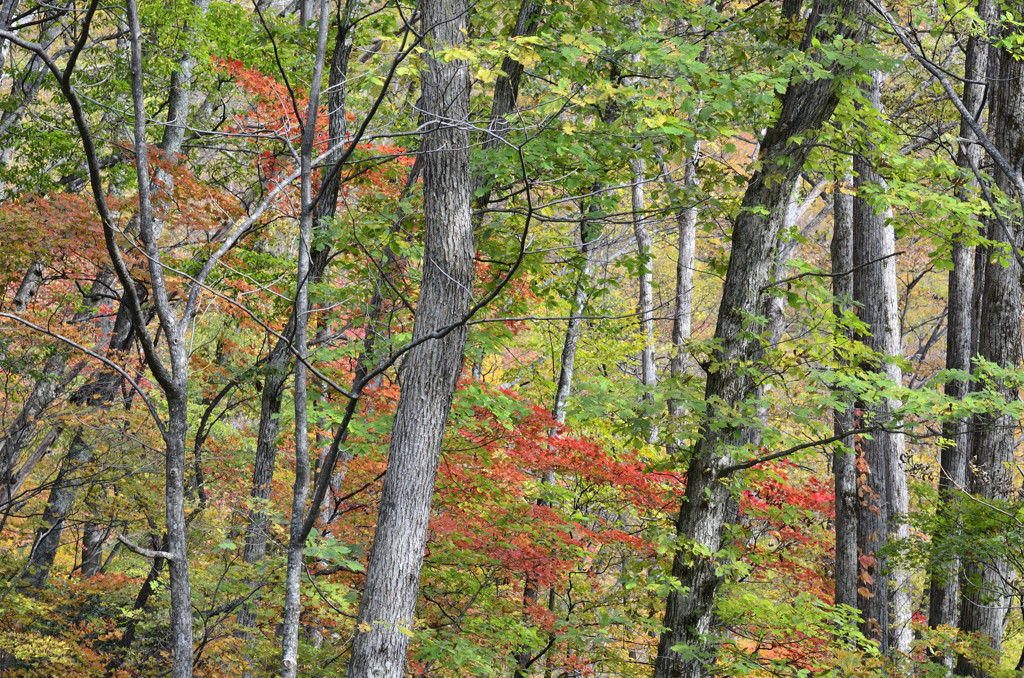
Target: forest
439,338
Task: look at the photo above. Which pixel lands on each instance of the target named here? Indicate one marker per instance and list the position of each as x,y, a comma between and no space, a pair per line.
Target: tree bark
882,486
843,459
985,598
180,95
589,234
93,537
645,296
805,106
945,583
279,358
503,104
99,391
432,368
300,489
682,308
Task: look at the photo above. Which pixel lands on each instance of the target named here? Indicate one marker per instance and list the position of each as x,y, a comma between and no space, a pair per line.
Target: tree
433,367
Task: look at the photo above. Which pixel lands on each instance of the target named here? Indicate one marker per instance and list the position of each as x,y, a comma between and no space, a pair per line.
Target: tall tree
300,314
684,647
985,598
432,368
884,600
844,458
943,603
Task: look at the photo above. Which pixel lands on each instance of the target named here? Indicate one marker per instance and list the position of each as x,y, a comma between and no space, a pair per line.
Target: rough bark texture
432,368
985,599
843,458
943,598
58,508
805,106
93,537
28,287
882,485
58,372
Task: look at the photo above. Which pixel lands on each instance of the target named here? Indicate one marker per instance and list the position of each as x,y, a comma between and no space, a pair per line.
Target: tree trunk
180,92
99,391
945,584
58,508
93,537
59,371
805,106
503,104
589,234
279,359
300,489
682,309
28,287
432,368
645,297
843,459
887,608
985,598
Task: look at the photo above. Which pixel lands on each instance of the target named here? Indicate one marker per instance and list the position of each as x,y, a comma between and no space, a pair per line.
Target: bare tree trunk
503,104
300,491
945,584
180,95
589,234
173,381
682,309
99,391
58,508
279,359
645,300
59,372
28,287
986,599
432,368
93,537
690,608
843,459
886,611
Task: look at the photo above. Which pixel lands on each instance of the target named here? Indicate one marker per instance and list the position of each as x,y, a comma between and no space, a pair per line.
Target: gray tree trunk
944,591
58,508
882,516
689,611
93,537
682,308
279,359
28,287
58,373
843,458
589,234
432,368
300,489
645,296
99,391
985,599
180,95
503,104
